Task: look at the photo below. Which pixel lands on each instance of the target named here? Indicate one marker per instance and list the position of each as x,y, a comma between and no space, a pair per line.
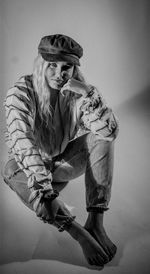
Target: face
58,73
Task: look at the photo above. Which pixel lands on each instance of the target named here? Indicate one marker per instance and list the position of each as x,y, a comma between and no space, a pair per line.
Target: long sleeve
20,110
97,117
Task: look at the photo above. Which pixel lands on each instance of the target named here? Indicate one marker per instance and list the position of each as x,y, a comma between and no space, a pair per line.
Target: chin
55,86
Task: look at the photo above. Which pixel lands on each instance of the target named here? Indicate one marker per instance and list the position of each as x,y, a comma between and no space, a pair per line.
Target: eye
67,67
52,65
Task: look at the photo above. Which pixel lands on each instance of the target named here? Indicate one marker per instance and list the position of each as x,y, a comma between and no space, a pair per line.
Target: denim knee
94,141
10,169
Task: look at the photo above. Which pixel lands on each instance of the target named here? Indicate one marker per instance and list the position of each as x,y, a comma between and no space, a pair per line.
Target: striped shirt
88,114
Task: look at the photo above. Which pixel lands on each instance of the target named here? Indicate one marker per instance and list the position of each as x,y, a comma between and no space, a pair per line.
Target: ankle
74,230
95,220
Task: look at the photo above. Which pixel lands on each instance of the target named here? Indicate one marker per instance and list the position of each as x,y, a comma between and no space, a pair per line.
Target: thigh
72,162
16,179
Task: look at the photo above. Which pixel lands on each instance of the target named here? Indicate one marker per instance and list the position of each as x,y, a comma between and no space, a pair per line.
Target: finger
65,89
66,86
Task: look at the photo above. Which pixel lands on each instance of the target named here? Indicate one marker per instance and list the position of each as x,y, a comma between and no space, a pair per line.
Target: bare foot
94,225
93,252
101,237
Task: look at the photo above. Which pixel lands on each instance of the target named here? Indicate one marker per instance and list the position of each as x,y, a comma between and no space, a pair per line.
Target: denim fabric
90,155
86,154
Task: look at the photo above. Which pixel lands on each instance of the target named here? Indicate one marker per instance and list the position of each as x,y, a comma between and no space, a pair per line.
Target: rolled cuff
36,196
99,208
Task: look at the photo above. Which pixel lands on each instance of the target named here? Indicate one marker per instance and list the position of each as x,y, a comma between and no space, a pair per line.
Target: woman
59,127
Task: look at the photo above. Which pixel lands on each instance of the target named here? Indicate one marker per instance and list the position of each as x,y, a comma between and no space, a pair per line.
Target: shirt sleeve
97,117
20,129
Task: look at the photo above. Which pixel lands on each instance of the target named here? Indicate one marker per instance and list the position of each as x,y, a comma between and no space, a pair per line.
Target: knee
94,141
9,169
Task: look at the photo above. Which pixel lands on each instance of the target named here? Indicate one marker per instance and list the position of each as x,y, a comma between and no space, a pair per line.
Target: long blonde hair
44,129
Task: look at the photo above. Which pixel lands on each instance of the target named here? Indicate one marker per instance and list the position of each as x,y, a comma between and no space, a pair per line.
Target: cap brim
61,57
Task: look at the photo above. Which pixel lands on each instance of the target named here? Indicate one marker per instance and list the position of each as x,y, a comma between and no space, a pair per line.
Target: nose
58,73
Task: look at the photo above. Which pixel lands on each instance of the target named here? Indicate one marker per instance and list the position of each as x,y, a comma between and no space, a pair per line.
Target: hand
48,210
78,87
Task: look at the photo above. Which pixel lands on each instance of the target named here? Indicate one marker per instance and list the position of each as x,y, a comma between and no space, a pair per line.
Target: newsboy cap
59,47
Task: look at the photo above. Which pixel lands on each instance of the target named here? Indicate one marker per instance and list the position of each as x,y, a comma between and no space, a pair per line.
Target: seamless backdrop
115,38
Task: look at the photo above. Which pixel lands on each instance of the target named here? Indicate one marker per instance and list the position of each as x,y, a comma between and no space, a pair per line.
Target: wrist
38,195
50,194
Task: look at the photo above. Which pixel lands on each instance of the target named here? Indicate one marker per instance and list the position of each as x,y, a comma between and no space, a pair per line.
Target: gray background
114,35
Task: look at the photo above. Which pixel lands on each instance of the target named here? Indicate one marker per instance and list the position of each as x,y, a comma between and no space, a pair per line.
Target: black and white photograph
74,141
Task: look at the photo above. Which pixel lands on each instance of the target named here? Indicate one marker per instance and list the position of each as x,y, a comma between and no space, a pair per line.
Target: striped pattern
97,117
20,112
20,106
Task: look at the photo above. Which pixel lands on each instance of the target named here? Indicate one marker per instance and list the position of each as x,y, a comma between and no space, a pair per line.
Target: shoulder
23,87
21,93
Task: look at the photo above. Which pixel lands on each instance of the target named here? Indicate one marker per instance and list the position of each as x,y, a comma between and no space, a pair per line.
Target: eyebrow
67,64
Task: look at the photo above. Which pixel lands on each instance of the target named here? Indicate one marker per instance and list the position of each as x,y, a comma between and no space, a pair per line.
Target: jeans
87,155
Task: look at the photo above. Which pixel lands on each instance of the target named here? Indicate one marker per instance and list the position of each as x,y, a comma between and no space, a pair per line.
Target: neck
54,90
53,97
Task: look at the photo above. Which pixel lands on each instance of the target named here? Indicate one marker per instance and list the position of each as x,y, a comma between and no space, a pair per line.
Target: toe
96,260
100,261
107,251
113,251
90,261
104,256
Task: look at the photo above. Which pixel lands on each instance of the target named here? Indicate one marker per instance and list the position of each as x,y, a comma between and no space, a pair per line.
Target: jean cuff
97,208
37,196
